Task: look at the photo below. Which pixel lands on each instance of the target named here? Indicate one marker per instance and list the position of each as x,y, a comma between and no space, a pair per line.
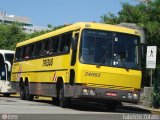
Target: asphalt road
16,109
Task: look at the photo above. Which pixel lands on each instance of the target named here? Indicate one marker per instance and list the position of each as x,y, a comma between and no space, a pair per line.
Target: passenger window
17,55
68,42
23,52
38,49
62,43
27,50
31,50
46,47
34,50
65,42
55,44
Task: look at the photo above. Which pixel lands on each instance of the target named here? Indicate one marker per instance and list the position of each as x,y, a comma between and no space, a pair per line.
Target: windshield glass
109,49
9,57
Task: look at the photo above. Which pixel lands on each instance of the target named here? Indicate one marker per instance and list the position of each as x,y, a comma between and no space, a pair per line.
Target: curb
157,112
36,98
152,110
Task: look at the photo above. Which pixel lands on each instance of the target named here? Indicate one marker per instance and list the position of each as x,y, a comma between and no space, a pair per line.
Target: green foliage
10,35
49,26
156,90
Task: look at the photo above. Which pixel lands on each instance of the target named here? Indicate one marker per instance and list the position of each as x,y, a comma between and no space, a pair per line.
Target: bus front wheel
63,101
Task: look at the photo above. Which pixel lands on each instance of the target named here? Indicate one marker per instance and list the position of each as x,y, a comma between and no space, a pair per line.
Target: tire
29,97
55,100
22,93
111,106
6,94
64,102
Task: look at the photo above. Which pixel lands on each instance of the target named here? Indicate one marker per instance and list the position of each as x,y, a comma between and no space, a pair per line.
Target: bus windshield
9,57
106,48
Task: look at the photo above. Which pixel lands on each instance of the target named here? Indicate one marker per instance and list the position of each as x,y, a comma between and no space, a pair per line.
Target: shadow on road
92,107
95,107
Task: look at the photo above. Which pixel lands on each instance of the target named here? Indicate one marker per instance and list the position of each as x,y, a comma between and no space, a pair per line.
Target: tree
10,35
49,26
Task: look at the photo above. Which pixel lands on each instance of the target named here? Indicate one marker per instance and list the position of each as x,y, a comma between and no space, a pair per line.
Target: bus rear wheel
6,94
63,101
22,92
29,97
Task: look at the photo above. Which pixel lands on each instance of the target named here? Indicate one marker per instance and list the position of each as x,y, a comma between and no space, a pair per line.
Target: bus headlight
85,91
135,96
91,92
88,92
130,96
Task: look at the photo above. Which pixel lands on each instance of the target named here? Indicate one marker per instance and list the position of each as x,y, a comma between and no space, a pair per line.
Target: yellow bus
86,61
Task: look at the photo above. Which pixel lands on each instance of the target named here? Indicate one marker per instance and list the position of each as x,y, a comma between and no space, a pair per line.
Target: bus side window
24,52
45,49
65,42
62,43
31,50
38,49
55,44
51,46
34,50
68,42
21,53
17,55
27,50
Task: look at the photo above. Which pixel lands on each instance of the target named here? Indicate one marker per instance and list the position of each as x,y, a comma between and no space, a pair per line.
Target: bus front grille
110,86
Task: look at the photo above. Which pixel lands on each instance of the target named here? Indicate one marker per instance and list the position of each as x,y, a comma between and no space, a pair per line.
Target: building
28,27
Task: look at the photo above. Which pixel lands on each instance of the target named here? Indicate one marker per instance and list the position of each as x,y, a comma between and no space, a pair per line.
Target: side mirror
74,44
74,41
1,60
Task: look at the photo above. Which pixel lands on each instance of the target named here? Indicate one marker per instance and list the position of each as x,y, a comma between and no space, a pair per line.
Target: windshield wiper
101,61
123,64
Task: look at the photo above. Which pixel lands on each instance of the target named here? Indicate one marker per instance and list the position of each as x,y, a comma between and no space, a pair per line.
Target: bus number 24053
92,74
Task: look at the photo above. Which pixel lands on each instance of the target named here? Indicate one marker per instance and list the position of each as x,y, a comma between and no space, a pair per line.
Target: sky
59,12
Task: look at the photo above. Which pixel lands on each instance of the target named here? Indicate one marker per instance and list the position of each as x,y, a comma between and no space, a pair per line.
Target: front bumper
104,94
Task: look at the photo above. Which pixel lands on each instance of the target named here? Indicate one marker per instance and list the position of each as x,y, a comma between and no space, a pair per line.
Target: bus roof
81,25
6,51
